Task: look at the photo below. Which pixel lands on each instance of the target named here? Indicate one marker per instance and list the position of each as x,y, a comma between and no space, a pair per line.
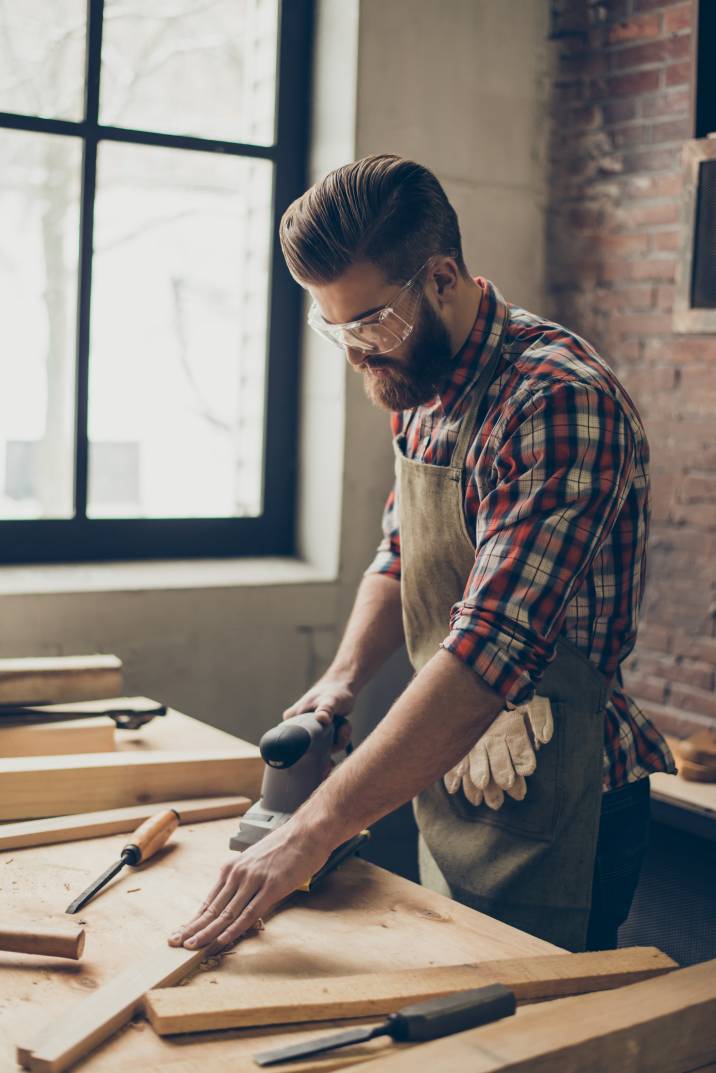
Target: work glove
499,761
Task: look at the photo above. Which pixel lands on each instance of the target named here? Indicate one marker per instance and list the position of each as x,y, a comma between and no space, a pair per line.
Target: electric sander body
297,754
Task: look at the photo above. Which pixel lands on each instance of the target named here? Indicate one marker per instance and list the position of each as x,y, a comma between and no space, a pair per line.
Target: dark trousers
621,846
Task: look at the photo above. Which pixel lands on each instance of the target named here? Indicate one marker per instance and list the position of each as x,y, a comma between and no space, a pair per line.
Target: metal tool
297,754
148,838
425,1020
126,718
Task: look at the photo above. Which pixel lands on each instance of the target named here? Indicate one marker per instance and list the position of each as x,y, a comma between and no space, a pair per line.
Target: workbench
361,919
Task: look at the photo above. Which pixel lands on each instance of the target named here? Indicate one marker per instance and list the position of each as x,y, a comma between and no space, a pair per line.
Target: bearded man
511,566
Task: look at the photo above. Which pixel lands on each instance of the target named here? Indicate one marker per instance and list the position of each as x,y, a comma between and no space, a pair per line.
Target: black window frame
81,538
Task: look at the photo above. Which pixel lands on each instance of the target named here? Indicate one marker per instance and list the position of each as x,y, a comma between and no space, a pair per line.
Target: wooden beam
114,821
204,1006
60,1044
60,785
44,680
666,1025
51,739
59,941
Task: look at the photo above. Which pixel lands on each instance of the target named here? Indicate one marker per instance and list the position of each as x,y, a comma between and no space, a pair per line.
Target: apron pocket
538,815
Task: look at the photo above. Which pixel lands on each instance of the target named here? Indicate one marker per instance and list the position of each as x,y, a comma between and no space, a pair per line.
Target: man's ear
445,276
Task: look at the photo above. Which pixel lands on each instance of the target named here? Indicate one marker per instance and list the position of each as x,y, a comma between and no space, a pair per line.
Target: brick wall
621,79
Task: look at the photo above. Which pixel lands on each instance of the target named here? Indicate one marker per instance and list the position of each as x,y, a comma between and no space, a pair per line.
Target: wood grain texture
173,756
665,1025
357,920
51,739
43,680
221,1004
60,940
54,829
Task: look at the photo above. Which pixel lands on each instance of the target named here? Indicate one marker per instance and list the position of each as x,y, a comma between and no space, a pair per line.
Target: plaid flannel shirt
557,500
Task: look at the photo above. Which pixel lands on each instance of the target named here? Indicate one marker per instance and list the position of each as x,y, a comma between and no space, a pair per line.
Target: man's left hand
250,883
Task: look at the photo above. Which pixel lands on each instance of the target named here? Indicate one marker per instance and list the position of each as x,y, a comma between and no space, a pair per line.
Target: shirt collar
477,349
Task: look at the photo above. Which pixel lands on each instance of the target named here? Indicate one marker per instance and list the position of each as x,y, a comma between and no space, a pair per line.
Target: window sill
157,575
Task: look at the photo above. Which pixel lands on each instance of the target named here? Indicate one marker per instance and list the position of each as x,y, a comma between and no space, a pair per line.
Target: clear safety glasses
380,332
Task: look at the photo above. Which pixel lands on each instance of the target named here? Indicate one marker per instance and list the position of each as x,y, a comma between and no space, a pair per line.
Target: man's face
409,375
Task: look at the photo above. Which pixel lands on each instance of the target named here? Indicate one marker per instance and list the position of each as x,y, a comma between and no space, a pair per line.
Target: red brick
699,488
619,110
625,298
667,240
649,5
625,244
641,55
636,29
693,672
647,213
664,297
692,699
674,130
671,102
679,18
635,82
647,268
701,648
653,636
641,324
653,186
677,74
658,159
646,687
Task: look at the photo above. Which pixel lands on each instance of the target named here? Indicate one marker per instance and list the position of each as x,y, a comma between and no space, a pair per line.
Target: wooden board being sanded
114,821
53,739
666,1025
174,756
217,1003
53,679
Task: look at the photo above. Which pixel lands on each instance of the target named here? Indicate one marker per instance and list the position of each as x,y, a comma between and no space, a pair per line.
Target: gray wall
457,85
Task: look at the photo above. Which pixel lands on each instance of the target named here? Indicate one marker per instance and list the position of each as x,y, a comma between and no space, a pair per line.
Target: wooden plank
96,1017
114,821
42,680
203,1006
51,739
665,1025
59,785
60,940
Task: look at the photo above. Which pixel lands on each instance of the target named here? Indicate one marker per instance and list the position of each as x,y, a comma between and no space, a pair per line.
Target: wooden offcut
665,1025
60,785
219,1004
60,1044
60,940
172,757
53,829
51,679
52,739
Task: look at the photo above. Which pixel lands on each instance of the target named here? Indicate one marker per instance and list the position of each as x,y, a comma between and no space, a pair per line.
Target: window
148,326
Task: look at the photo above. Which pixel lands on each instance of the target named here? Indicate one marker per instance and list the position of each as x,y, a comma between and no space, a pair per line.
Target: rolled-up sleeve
387,557
563,463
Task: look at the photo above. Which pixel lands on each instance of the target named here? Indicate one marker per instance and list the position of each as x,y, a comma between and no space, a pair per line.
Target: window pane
179,311
38,297
42,57
191,67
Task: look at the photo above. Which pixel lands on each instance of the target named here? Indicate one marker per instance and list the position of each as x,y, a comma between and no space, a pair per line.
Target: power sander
297,754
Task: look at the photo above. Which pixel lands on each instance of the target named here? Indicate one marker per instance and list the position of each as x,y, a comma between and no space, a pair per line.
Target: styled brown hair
384,209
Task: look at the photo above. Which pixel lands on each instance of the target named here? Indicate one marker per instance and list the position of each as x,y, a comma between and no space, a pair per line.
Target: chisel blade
85,896
328,1043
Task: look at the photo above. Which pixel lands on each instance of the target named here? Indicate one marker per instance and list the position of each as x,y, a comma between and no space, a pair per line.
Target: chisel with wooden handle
148,838
56,942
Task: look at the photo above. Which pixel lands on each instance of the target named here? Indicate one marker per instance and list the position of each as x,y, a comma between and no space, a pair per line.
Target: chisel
148,838
425,1020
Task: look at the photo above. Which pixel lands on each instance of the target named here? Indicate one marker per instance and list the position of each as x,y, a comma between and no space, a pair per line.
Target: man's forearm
432,725
373,633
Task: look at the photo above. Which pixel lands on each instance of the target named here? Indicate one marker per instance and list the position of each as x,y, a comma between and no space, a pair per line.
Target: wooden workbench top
361,919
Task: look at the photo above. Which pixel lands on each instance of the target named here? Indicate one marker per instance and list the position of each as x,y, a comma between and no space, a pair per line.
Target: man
512,566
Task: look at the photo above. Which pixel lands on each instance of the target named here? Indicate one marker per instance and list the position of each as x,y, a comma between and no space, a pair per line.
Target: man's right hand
330,696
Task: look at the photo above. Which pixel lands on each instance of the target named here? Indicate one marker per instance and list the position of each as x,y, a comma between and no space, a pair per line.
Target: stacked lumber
53,679
51,739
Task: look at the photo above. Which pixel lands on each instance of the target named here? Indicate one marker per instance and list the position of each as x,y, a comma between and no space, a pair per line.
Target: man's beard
416,379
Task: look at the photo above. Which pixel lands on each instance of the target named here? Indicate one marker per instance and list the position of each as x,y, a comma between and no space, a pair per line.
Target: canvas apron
530,863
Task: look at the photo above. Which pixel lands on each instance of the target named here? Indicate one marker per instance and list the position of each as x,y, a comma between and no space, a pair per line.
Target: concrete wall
457,85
